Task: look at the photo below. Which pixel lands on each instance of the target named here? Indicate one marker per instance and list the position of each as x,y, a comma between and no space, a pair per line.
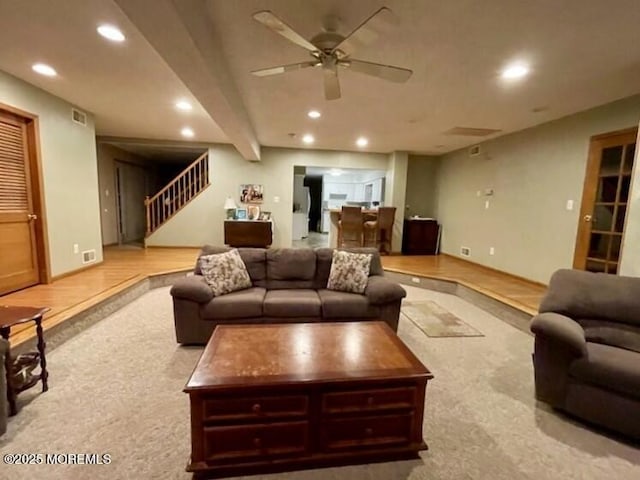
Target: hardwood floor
514,291
125,266
74,293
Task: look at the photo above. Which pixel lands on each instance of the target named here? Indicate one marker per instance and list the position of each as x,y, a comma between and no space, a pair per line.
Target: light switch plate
569,204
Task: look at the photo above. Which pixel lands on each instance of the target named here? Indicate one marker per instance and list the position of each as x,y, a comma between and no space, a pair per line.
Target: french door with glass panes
604,201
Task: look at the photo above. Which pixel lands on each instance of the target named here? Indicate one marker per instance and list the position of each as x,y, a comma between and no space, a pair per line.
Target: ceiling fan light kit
331,50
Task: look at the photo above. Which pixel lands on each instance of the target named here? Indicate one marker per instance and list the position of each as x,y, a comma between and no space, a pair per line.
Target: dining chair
379,232
350,227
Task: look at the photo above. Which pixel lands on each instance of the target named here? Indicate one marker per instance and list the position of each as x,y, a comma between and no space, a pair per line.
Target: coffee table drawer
242,408
250,441
364,400
348,433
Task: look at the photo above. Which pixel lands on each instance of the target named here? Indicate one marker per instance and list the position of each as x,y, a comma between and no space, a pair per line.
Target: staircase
173,197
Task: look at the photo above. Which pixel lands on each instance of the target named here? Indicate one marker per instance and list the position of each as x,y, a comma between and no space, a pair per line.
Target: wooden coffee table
286,396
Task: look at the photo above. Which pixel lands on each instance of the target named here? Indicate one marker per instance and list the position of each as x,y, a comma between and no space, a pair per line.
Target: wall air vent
471,131
465,251
474,151
88,256
79,117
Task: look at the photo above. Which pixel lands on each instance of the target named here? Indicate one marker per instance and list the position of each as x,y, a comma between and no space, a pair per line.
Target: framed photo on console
241,213
265,216
253,212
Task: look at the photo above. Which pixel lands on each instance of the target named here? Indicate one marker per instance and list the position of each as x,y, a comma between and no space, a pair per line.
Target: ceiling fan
331,50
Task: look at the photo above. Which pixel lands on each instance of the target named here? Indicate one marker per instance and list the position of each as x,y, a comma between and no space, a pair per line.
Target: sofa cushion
619,335
225,272
349,271
254,260
292,303
242,304
346,305
324,257
291,264
609,367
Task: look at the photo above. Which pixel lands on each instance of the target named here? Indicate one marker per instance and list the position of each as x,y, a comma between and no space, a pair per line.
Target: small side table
11,316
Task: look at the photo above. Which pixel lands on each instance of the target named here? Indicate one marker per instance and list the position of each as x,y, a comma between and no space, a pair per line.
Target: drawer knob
369,401
256,408
368,431
257,442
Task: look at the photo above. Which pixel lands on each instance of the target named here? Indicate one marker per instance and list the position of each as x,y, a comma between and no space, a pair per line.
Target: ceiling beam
182,33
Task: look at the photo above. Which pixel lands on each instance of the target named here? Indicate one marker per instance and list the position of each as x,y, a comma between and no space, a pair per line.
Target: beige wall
202,220
422,178
107,156
68,155
532,173
630,261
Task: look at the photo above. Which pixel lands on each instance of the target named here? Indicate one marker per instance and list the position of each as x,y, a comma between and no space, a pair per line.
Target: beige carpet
436,321
117,388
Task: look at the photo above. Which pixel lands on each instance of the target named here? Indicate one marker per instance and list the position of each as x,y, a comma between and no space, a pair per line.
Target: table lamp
230,207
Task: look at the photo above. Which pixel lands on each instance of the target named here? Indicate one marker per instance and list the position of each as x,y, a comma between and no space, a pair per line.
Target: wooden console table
11,316
248,233
279,397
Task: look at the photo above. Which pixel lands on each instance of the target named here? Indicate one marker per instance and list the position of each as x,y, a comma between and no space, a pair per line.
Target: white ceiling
128,87
582,54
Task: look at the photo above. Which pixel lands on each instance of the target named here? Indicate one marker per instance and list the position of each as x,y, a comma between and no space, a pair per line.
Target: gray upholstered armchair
587,348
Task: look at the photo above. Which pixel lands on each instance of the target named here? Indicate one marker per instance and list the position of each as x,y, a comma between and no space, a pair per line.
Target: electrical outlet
76,248
415,279
569,204
486,204
492,251
276,199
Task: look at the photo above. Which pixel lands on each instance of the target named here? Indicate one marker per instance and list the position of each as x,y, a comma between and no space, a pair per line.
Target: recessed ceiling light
308,138
183,105
111,32
362,142
314,114
187,132
515,71
44,69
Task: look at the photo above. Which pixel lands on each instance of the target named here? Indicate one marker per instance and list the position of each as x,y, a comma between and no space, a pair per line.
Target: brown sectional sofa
587,348
289,285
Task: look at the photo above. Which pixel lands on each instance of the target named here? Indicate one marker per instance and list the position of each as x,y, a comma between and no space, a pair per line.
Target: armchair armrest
561,328
193,287
380,290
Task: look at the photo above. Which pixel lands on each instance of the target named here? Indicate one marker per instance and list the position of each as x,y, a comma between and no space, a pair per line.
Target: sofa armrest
562,329
193,287
381,290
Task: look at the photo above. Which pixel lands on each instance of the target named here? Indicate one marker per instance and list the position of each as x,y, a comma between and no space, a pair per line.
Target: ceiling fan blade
269,20
265,72
331,83
366,33
388,72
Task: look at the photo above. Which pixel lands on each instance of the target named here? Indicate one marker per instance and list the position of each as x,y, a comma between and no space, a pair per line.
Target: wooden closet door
18,254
